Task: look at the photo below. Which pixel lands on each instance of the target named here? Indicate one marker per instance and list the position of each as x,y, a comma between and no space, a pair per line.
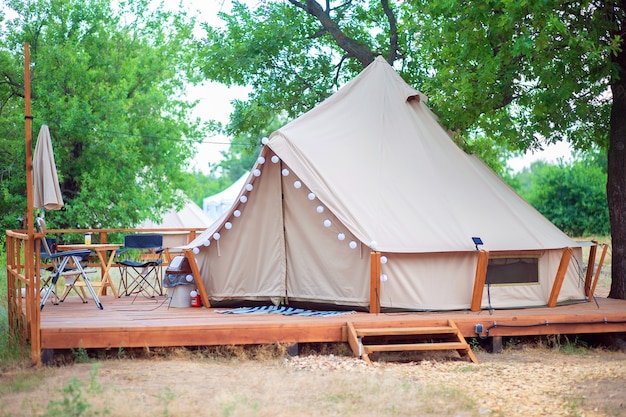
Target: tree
107,81
503,74
571,195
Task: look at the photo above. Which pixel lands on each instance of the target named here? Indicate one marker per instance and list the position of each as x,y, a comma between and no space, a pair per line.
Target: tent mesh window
513,270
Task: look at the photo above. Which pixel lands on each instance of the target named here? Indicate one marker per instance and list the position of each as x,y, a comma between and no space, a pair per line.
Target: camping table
106,260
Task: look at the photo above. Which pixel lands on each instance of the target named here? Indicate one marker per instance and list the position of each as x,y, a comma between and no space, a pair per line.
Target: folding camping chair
60,266
140,263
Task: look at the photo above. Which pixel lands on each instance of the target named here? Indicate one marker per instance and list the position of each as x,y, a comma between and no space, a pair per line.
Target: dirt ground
522,381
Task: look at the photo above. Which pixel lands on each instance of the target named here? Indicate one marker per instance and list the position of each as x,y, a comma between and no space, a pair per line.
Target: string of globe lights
297,184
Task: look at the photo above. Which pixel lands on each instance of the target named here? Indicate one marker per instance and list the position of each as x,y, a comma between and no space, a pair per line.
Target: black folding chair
60,266
140,265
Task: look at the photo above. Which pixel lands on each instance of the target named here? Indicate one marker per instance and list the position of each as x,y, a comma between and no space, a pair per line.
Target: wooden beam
375,282
560,276
197,277
595,280
479,280
591,266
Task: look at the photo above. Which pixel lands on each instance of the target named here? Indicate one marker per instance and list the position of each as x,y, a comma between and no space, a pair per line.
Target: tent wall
320,267
444,281
248,260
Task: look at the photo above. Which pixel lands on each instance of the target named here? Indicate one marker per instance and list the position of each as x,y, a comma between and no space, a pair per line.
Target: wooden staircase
364,341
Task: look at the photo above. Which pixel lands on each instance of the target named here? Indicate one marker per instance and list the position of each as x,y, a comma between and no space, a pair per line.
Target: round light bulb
243,198
352,244
196,250
193,293
256,172
383,277
327,223
216,236
373,245
265,141
207,242
297,184
275,159
249,187
261,160
311,196
189,278
228,225
320,209
383,259
285,172
236,213
341,236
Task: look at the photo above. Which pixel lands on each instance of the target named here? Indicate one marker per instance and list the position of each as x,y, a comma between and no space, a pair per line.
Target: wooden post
197,278
29,267
560,276
479,280
592,290
591,266
375,282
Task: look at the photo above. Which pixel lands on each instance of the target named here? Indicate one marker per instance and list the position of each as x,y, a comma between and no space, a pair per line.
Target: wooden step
406,331
364,341
414,347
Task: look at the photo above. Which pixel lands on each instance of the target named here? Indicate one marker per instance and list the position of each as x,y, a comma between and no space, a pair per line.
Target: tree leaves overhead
108,82
522,72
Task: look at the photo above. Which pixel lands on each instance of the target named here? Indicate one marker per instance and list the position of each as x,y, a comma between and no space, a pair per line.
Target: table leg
106,277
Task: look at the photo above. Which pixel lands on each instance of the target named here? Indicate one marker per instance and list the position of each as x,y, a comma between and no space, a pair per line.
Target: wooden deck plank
150,323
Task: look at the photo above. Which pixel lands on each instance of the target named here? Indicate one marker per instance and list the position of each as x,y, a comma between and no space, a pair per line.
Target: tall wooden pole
32,304
29,143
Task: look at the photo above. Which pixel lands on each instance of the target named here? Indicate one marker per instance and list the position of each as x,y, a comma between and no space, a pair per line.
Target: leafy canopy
108,82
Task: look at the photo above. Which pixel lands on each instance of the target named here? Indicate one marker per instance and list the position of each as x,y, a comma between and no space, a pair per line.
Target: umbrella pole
29,256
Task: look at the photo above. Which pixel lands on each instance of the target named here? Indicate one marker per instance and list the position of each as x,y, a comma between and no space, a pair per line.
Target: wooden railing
23,276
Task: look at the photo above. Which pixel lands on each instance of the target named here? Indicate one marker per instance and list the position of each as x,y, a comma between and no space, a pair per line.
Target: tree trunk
616,182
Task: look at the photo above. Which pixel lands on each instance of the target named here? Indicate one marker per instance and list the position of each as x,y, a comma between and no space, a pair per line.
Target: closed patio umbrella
46,189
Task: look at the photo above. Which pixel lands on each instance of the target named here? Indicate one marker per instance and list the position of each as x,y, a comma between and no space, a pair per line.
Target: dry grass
529,379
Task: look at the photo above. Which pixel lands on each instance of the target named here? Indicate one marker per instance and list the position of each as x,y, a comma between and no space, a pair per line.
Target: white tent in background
190,216
370,170
216,205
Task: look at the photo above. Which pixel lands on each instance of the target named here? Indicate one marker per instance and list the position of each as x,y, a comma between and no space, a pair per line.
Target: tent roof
189,216
216,205
376,156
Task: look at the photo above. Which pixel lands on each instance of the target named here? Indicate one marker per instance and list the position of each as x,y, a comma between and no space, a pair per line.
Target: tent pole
591,266
479,280
375,283
560,276
195,271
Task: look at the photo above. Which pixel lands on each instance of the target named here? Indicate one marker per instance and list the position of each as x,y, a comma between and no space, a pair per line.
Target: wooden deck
128,323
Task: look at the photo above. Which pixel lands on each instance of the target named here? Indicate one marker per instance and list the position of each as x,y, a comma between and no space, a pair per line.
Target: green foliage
108,82
571,195
520,72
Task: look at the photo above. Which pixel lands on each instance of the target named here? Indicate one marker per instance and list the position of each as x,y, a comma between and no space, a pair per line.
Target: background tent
370,169
216,205
188,217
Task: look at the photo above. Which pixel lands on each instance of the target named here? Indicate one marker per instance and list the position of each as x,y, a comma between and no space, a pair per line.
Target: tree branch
393,32
355,49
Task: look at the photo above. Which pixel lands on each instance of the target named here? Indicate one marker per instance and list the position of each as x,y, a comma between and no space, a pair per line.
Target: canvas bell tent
189,216
365,200
214,206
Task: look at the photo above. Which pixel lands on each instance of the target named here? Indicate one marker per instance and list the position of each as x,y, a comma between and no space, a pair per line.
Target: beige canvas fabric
46,189
190,215
369,169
